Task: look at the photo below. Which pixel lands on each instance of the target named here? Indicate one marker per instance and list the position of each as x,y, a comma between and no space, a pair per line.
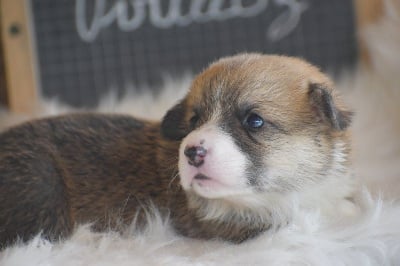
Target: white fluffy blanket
371,239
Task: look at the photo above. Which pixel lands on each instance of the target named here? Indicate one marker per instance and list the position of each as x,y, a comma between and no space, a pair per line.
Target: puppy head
254,125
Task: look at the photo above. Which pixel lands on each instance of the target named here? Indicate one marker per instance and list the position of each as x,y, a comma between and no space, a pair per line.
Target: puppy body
77,168
254,134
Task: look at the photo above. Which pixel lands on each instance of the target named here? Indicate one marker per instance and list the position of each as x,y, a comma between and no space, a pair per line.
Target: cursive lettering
199,11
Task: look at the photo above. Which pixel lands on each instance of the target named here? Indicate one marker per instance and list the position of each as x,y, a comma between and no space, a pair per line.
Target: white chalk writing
199,11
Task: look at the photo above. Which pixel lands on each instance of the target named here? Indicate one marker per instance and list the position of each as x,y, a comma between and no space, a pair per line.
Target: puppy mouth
206,186
201,177
213,188
204,181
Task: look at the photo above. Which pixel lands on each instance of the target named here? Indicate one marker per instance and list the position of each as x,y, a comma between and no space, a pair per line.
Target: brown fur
59,172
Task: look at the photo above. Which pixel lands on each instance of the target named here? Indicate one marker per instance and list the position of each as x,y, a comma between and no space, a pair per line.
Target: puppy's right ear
324,103
173,126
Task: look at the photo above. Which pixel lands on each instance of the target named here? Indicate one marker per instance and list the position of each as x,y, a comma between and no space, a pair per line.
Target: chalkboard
88,47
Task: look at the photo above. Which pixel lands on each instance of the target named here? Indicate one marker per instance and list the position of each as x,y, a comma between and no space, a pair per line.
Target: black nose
195,155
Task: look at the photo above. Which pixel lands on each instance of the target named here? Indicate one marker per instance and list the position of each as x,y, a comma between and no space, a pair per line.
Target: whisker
173,179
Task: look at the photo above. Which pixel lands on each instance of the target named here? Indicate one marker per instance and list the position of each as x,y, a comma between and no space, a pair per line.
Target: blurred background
78,51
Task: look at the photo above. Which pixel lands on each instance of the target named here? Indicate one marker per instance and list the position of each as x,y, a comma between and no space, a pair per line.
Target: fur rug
373,238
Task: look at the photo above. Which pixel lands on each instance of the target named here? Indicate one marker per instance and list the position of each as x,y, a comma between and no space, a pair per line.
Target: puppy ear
324,103
173,126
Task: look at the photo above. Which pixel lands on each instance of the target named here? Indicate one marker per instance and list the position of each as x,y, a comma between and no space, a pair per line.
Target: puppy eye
254,121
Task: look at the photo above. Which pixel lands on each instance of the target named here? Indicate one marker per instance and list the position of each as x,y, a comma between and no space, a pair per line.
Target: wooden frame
18,55
367,12
20,81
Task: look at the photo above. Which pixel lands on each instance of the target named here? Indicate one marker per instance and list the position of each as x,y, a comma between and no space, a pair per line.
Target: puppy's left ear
324,104
173,126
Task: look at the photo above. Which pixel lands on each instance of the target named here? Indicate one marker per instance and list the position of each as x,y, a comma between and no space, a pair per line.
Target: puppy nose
195,155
